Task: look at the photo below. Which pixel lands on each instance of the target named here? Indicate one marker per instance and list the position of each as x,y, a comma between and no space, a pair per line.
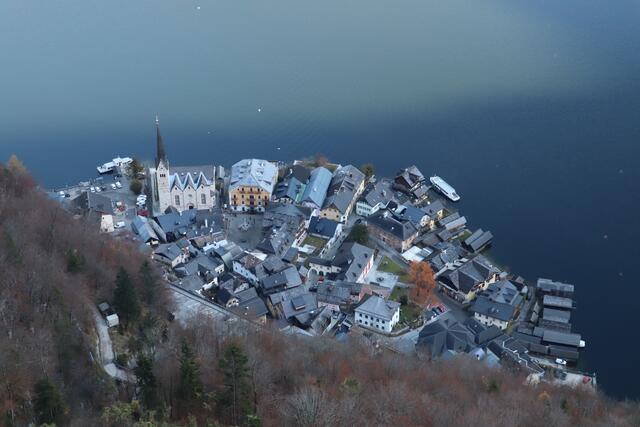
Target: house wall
323,270
376,323
364,209
490,321
239,268
390,239
331,213
248,199
365,270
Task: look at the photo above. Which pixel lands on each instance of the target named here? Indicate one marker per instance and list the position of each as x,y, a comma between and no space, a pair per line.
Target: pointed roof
161,155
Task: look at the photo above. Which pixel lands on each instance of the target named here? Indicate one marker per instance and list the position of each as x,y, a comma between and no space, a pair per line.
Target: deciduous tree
422,276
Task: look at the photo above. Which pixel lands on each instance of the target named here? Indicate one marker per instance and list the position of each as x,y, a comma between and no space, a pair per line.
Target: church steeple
161,155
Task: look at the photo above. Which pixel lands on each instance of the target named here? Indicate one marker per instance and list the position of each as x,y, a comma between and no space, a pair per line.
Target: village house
143,228
170,254
376,196
346,185
245,303
378,314
326,229
387,227
412,182
283,226
416,216
497,304
465,280
251,185
185,187
334,297
315,192
245,266
292,186
351,262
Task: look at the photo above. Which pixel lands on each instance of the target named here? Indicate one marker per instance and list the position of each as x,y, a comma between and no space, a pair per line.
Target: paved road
105,351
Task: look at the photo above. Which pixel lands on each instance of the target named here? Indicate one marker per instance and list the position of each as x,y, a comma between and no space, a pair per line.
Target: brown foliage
45,318
422,276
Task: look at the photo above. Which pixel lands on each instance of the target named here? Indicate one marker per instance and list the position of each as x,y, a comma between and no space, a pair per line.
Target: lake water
530,109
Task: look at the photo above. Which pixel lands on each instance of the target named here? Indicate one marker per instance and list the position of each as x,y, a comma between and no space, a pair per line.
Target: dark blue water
530,109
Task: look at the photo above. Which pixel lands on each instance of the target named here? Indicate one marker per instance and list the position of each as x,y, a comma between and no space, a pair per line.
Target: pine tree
234,399
190,387
48,403
149,284
146,381
125,298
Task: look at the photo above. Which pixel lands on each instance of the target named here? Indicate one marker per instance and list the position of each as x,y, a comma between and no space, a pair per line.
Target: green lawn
397,293
315,241
409,312
387,265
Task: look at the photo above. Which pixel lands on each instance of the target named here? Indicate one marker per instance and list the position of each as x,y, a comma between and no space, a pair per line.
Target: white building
184,187
378,314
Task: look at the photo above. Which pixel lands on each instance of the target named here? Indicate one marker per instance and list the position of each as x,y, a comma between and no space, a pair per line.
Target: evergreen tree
234,400
75,261
149,283
359,234
368,170
146,381
136,186
190,387
125,298
48,403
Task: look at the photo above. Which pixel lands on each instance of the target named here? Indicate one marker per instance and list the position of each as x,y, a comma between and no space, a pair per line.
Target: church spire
161,156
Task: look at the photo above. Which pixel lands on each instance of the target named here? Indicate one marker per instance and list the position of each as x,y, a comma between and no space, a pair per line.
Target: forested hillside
54,269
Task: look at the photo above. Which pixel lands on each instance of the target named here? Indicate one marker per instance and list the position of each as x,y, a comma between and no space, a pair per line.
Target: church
180,187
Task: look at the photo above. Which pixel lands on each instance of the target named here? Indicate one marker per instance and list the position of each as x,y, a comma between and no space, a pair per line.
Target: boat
113,164
442,186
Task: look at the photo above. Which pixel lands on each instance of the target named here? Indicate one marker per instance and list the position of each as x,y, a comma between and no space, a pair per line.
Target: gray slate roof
255,173
316,190
352,258
390,224
345,182
379,307
324,227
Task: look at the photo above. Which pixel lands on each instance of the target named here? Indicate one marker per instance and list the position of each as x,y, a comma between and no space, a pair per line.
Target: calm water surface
530,109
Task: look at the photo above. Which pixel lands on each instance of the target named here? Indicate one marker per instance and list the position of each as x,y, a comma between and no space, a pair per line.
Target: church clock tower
163,192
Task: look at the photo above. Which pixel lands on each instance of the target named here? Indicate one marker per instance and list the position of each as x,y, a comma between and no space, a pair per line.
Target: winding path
105,351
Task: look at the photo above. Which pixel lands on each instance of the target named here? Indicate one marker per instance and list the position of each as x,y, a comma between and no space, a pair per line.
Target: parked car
118,185
119,224
561,361
113,186
93,189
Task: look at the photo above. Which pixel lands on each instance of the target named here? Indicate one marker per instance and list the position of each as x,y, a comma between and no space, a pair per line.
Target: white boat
112,165
442,186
